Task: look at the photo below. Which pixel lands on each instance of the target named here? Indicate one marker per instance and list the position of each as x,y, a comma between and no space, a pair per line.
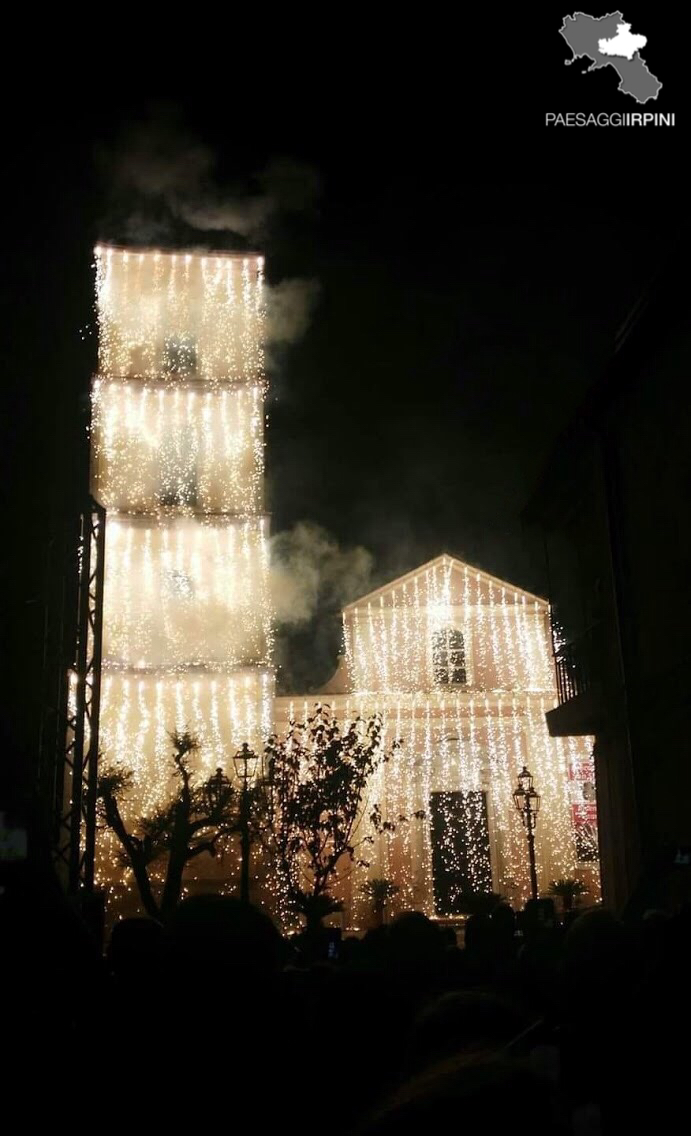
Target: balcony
574,668
578,686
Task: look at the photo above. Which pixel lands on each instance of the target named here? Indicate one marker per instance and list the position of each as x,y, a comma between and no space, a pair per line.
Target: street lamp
527,802
218,792
246,762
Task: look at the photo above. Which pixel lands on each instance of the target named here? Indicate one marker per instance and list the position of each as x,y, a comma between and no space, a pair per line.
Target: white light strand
177,437
469,738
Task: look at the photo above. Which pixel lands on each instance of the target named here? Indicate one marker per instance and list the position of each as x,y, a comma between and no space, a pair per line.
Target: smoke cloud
289,308
312,578
161,182
158,171
157,158
309,571
284,186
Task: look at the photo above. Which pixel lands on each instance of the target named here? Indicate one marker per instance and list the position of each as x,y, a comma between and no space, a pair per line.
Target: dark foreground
216,1021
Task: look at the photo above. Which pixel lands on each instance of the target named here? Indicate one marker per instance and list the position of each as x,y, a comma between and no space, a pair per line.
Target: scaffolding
68,761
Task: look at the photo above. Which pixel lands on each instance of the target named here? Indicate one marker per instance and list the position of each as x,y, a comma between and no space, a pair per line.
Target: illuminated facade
460,666
178,462
457,662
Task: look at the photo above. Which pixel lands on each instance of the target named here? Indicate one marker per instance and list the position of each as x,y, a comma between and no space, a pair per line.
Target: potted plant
379,891
568,891
314,908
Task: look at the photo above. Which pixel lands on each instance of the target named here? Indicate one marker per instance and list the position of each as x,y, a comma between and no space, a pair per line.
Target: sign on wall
584,808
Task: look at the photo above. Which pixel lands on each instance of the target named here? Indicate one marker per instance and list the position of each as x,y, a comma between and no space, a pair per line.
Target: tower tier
193,449
179,316
186,592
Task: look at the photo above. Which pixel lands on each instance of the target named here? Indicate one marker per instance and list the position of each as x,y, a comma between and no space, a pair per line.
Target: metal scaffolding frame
69,736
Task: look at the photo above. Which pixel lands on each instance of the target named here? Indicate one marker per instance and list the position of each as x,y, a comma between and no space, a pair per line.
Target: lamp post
218,790
245,762
527,802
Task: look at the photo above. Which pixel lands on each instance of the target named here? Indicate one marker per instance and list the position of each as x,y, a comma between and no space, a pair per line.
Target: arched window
179,584
178,470
179,355
448,657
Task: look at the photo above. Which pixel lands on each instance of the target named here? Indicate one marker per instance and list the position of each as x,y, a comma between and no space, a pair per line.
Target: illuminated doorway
461,862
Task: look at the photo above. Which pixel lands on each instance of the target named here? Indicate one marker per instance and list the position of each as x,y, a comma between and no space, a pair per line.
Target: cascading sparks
456,662
459,666
177,434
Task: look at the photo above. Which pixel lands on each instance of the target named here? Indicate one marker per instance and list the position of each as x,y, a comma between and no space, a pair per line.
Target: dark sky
444,357
473,267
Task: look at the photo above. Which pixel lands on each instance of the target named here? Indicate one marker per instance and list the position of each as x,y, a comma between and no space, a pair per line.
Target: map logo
609,42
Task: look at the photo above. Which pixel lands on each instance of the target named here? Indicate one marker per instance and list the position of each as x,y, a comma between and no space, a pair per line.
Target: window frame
175,349
441,684
175,491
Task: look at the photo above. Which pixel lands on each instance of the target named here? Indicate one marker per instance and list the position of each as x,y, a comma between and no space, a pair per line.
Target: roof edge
437,560
190,250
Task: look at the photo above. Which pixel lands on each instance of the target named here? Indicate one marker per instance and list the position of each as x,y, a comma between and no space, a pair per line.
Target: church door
460,849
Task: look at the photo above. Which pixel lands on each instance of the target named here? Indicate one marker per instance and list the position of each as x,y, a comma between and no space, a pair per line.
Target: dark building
613,508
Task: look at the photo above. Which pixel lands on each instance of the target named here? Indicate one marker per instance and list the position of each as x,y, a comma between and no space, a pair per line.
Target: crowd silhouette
532,1022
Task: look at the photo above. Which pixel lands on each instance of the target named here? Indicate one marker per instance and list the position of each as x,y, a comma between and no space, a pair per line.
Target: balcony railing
574,667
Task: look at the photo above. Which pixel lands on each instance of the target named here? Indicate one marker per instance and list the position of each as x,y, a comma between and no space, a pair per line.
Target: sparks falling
456,662
459,666
178,462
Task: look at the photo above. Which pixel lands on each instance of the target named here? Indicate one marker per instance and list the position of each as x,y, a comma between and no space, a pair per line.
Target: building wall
151,438
389,638
186,591
576,538
160,313
177,460
650,439
474,737
622,469
464,744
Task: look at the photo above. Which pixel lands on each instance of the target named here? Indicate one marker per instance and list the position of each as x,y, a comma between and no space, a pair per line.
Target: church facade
457,663
459,666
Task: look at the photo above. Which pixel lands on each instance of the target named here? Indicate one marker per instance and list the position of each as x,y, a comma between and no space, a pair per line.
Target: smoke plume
312,578
309,571
162,181
283,186
157,171
289,309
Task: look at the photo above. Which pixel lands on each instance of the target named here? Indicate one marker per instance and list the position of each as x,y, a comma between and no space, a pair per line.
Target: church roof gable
446,561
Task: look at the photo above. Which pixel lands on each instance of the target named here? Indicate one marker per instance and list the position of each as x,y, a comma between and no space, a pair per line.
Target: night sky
472,269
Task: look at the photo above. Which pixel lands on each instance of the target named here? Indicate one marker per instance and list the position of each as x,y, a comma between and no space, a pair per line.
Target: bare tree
316,780
197,819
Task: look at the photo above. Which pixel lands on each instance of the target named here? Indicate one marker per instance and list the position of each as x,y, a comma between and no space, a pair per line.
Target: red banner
584,808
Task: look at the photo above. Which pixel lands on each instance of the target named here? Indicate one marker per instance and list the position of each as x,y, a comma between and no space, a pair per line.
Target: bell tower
177,461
